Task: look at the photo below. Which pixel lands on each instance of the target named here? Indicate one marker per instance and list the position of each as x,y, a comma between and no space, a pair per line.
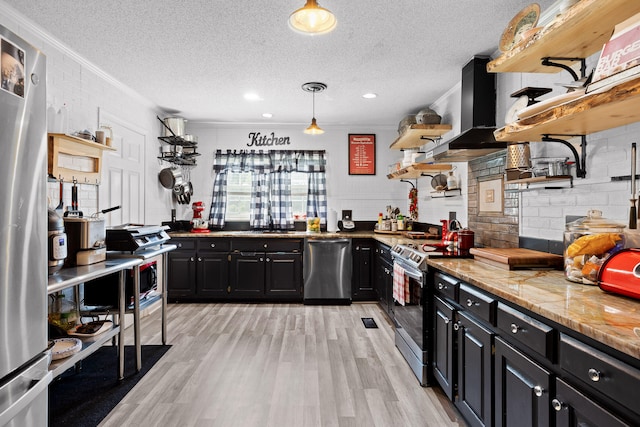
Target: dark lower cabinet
474,370
522,389
574,409
284,276
246,278
198,269
363,279
181,274
384,278
444,357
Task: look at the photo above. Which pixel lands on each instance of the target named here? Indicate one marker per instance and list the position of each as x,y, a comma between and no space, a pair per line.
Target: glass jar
588,242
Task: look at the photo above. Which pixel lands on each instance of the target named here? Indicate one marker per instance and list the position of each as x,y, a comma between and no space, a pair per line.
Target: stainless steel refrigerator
24,375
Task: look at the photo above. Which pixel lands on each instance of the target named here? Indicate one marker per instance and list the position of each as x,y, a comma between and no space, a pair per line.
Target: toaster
620,273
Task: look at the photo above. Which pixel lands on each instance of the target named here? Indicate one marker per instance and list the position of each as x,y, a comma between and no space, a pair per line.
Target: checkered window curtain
314,163
271,184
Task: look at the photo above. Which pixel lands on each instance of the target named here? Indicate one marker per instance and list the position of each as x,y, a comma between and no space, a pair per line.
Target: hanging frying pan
439,181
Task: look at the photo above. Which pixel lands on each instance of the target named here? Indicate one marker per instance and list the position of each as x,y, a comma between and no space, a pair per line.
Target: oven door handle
411,272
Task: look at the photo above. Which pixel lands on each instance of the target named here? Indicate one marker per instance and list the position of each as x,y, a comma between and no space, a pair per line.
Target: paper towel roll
332,221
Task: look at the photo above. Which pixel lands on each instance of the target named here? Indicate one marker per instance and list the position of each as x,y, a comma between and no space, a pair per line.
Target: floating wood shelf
542,180
418,135
578,33
75,159
417,170
595,112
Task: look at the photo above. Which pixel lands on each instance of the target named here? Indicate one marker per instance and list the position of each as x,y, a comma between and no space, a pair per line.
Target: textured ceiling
198,58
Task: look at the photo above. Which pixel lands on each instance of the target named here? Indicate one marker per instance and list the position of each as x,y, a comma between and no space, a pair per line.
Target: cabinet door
181,274
574,409
283,276
363,272
475,371
444,359
522,389
213,275
247,275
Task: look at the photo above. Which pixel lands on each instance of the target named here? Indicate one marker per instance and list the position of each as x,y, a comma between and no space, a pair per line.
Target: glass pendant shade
312,19
313,128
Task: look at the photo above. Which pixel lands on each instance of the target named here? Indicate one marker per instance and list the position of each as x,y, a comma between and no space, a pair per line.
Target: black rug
85,398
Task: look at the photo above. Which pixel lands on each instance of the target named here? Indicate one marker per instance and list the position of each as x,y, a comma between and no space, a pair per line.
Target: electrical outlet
452,216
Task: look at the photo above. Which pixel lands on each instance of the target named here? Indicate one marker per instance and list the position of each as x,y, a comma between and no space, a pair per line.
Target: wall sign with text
362,154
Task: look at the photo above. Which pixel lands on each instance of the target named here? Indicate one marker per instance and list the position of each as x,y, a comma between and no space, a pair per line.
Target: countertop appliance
24,374
134,237
57,242
85,240
411,313
327,270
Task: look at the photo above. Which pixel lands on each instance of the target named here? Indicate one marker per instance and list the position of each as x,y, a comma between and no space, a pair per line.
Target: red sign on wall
362,154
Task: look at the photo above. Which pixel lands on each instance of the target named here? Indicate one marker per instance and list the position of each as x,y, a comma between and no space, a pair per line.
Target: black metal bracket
409,182
581,159
547,61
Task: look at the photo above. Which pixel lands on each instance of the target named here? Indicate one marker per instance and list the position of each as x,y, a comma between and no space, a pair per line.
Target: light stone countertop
608,318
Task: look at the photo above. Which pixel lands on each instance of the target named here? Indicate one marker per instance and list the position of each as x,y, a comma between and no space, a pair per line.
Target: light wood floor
278,365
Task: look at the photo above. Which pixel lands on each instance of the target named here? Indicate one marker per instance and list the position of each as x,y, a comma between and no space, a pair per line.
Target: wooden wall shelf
413,137
579,33
416,170
595,112
86,170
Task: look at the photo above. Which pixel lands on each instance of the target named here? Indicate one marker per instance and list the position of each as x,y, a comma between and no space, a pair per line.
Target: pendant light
312,19
314,87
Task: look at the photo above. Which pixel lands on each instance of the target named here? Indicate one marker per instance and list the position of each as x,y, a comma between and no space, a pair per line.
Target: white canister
332,221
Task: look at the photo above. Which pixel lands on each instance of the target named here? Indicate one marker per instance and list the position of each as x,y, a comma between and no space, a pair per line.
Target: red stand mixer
198,224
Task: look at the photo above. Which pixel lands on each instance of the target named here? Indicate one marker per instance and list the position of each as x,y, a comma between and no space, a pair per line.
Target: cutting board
517,258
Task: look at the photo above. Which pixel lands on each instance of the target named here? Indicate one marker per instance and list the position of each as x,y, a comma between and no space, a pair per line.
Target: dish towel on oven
400,285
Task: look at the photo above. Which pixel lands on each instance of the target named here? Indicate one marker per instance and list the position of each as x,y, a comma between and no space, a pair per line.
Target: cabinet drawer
446,286
267,245
214,245
600,371
526,330
184,244
478,302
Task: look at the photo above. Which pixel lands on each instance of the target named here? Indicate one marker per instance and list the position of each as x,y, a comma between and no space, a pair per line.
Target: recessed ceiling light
252,97
267,115
370,95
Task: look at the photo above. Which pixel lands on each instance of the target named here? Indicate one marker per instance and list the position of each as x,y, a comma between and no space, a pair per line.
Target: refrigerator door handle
30,383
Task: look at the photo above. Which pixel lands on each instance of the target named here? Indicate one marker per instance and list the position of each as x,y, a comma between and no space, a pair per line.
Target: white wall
365,195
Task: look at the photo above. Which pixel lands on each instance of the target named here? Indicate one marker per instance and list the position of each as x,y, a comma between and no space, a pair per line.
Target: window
239,195
299,191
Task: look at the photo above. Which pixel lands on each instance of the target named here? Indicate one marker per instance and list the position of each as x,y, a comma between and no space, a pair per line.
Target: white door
123,172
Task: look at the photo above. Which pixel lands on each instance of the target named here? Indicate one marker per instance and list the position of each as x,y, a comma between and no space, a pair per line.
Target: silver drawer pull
440,286
213,245
268,259
261,259
199,259
471,303
179,245
457,326
557,405
538,391
514,328
265,245
446,320
191,259
594,375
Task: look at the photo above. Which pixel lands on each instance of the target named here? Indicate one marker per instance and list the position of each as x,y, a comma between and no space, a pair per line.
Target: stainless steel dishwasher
327,271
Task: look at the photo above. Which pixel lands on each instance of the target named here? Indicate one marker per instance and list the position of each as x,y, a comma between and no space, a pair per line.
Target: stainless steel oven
411,314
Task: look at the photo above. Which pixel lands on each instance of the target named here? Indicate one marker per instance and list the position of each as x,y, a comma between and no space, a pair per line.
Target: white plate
549,103
65,347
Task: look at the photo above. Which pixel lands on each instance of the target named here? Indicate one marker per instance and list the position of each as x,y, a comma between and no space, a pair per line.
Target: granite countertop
608,318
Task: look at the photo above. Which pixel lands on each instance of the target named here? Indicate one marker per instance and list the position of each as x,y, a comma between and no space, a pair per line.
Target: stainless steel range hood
478,118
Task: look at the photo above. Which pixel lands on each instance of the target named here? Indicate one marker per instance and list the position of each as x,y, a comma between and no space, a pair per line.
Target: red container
620,273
